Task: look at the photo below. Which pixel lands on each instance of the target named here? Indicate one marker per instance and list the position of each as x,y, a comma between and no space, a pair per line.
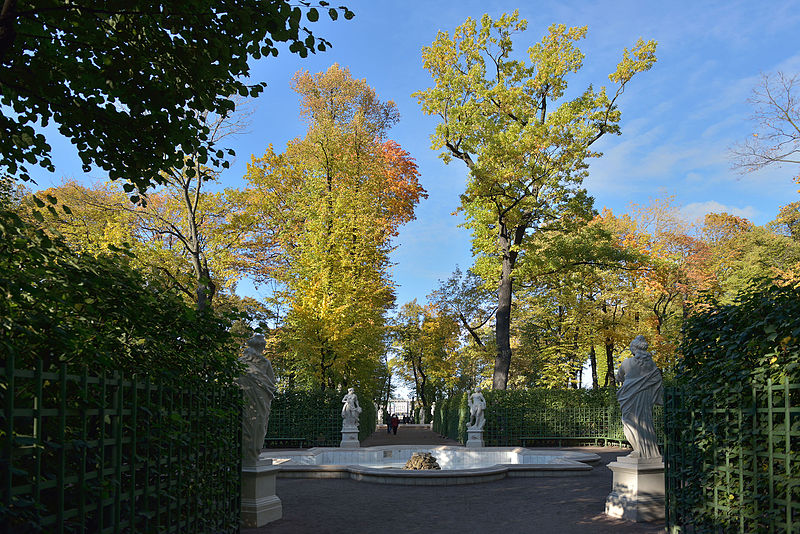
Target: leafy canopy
326,211
130,82
525,143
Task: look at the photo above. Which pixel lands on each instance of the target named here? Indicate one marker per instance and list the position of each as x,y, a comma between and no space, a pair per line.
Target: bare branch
776,140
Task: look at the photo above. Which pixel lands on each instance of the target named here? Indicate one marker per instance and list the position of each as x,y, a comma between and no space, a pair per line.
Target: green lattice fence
541,417
315,417
734,466
87,452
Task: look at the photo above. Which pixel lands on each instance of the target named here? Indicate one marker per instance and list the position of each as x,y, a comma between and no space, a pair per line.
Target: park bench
284,443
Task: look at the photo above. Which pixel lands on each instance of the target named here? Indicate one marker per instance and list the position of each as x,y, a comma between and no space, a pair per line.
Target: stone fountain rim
569,463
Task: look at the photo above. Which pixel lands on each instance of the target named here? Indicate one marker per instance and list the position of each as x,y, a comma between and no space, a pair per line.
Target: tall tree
328,208
525,147
129,81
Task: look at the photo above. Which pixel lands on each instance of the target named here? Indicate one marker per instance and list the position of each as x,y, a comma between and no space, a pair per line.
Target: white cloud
696,211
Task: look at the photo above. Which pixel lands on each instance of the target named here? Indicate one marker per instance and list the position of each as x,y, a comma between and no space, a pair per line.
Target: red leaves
401,190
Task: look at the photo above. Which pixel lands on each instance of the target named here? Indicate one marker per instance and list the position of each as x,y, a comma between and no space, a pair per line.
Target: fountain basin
459,465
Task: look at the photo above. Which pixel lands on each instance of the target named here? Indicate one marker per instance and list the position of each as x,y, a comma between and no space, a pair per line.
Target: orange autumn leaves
401,190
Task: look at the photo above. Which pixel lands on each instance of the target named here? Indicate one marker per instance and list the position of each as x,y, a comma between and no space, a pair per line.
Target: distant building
400,407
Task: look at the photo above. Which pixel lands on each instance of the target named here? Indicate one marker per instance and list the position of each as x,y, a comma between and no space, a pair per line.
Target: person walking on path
388,422
395,424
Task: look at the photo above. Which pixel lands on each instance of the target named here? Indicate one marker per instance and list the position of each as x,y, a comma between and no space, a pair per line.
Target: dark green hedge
732,418
87,451
755,338
58,306
316,416
542,413
451,417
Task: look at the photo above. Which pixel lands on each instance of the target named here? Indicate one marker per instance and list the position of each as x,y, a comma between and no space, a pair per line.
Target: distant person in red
395,423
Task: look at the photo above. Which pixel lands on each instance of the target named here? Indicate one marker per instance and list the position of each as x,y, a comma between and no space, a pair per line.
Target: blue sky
678,120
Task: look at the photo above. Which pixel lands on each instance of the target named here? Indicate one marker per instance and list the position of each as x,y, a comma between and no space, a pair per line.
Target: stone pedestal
638,489
260,505
350,439
474,438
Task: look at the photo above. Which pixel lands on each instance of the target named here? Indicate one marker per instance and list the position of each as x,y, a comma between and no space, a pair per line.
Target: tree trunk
505,290
593,363
610,379
388,390
502,361
205,290
421,391
416,376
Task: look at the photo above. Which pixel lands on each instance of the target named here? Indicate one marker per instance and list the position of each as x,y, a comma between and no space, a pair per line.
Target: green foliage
728,347
592,415
60,306
751,435
513,414
57,307
742,253
146,454
451,417
526,147
736,386
316,416
426,341
128,82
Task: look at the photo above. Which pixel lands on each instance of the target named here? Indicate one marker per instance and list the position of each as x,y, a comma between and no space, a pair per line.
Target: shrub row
536,413
316,417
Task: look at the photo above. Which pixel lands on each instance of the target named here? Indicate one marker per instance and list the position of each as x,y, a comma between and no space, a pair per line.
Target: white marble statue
477,404
640,390
351,409
258,388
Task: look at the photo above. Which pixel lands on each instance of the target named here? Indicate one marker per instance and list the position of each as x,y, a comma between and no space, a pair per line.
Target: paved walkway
564,505
407,435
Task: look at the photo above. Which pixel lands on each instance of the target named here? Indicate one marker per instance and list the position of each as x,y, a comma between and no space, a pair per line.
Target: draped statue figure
640,390
258,388
477,405
351,410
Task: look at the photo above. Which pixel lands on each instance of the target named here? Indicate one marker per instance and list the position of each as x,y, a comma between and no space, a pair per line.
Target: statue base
474,438
638,489
260,505
350,439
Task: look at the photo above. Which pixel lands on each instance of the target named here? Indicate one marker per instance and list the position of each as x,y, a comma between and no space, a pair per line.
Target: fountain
459,465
